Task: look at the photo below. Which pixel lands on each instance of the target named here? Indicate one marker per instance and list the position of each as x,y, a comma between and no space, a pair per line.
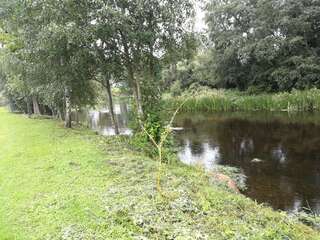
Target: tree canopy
57,48
255,45
53,51
268,44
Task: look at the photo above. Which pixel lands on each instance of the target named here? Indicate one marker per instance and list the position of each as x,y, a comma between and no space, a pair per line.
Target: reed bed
226,100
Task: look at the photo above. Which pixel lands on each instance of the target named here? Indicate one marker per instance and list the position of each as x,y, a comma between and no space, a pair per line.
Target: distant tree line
255,45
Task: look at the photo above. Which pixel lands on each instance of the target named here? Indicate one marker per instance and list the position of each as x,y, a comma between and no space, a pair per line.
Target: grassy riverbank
71,184
224,100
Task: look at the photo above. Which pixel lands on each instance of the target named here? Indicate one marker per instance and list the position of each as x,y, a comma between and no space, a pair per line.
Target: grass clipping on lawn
71,184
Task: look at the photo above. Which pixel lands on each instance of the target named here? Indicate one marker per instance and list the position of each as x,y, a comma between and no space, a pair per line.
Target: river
278,152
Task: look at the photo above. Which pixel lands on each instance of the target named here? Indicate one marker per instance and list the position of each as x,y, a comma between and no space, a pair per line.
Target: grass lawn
71,184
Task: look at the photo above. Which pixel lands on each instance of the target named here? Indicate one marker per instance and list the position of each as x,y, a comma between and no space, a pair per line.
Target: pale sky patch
200,24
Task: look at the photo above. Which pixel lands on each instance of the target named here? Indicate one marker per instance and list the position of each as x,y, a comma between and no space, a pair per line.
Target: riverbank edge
206,100
193,206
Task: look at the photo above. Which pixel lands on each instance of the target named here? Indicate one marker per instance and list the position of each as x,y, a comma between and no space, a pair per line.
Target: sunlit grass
71,184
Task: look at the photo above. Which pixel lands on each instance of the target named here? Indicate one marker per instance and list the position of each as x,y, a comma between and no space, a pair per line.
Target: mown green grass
224,100
71,184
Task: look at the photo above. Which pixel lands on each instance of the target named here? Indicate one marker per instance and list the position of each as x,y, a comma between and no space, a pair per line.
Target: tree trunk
36,108
136,92
60,114
174,73
113,117
29,107
67,96
11,104
133,81
139,98
54,112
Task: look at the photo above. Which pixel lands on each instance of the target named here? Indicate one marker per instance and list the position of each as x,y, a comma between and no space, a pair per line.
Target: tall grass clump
227,100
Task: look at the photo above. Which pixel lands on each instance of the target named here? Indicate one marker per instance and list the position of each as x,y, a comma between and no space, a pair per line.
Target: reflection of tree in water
287,178
100,120
196,147
123,116
289,153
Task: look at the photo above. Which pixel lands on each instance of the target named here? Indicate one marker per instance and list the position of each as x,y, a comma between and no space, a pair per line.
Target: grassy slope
71,184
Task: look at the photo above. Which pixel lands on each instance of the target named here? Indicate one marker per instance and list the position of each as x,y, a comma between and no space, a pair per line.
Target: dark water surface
287,175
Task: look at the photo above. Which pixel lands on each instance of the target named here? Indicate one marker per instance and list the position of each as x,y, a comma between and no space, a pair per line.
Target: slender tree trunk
136,91
29,107
60,114
67,96
36,108
139,97
174,72
113,117
11,104
133,81
67,99
54,112
76,116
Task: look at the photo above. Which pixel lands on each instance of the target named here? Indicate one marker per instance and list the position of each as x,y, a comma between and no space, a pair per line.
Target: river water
100,120
278,152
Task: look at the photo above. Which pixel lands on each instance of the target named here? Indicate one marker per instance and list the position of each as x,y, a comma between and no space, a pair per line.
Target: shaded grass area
72,184
224,100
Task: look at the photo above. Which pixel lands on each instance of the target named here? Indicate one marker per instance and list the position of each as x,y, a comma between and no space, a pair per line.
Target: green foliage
271,45
176,89
196,70
308,218
135,37
59,47
155,126
46,51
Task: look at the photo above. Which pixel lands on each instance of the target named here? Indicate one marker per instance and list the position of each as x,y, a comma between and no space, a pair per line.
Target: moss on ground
71,184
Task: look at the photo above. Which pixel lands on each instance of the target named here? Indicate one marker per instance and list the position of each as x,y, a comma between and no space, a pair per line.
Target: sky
200,14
